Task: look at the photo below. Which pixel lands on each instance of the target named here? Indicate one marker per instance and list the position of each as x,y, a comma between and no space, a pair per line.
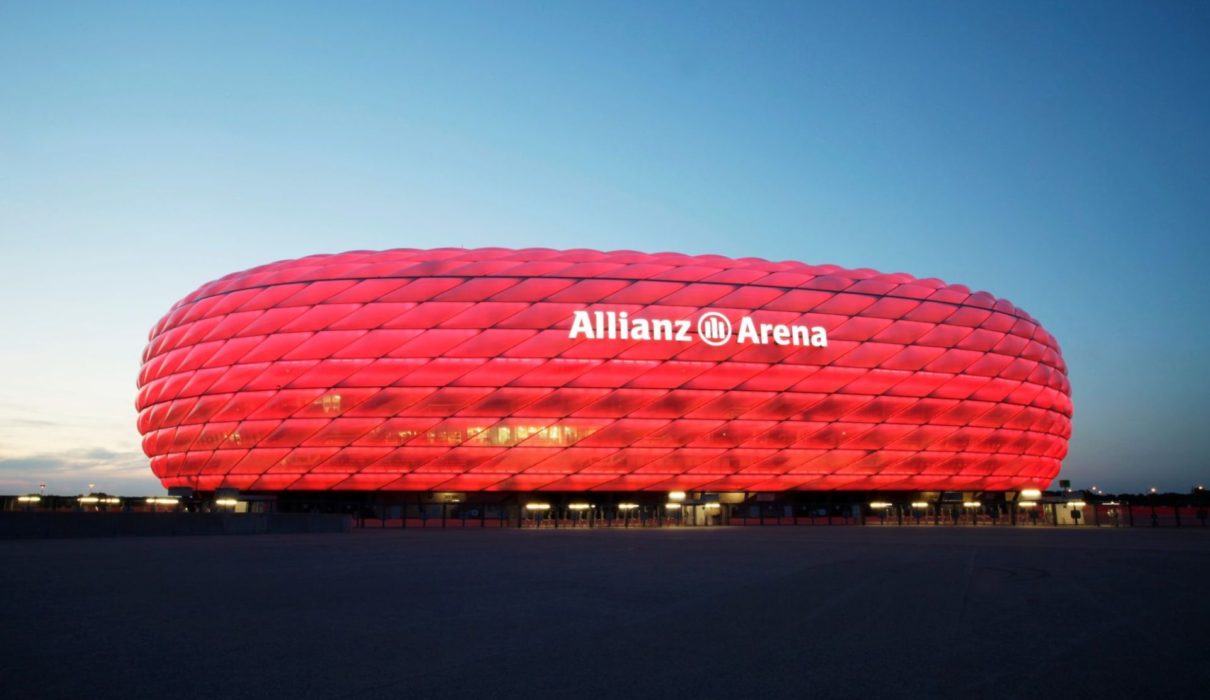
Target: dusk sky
1056,154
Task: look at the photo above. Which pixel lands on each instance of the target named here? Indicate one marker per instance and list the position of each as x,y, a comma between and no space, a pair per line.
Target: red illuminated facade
456,370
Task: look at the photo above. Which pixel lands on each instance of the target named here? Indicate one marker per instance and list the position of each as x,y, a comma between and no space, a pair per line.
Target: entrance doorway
702,514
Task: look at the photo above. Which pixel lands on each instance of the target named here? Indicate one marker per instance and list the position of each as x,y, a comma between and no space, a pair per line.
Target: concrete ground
712,613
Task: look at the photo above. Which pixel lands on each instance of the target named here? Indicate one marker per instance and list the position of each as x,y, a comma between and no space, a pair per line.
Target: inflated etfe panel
572,370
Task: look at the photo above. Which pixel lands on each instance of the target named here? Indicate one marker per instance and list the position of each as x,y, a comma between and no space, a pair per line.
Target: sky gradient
1052,155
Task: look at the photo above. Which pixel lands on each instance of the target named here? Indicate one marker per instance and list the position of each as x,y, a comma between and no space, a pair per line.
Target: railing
1045,515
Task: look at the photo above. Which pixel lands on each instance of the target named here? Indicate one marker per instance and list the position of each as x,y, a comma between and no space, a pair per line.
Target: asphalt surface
712,613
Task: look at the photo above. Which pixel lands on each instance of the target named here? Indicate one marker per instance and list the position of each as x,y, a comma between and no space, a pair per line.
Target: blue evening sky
1057,154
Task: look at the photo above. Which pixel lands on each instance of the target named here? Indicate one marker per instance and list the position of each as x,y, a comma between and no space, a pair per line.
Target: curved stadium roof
454,369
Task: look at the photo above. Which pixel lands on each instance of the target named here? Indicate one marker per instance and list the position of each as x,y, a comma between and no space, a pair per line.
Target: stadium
526,383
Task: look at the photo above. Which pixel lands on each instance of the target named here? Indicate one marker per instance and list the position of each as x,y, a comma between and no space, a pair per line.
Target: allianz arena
496,374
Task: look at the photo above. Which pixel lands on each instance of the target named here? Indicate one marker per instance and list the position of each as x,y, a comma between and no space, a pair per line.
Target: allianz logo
712,327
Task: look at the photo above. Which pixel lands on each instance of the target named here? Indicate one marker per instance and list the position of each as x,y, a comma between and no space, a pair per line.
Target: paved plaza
709,613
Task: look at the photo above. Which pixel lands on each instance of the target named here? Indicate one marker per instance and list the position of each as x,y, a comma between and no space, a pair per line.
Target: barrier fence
452,515
1000,515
